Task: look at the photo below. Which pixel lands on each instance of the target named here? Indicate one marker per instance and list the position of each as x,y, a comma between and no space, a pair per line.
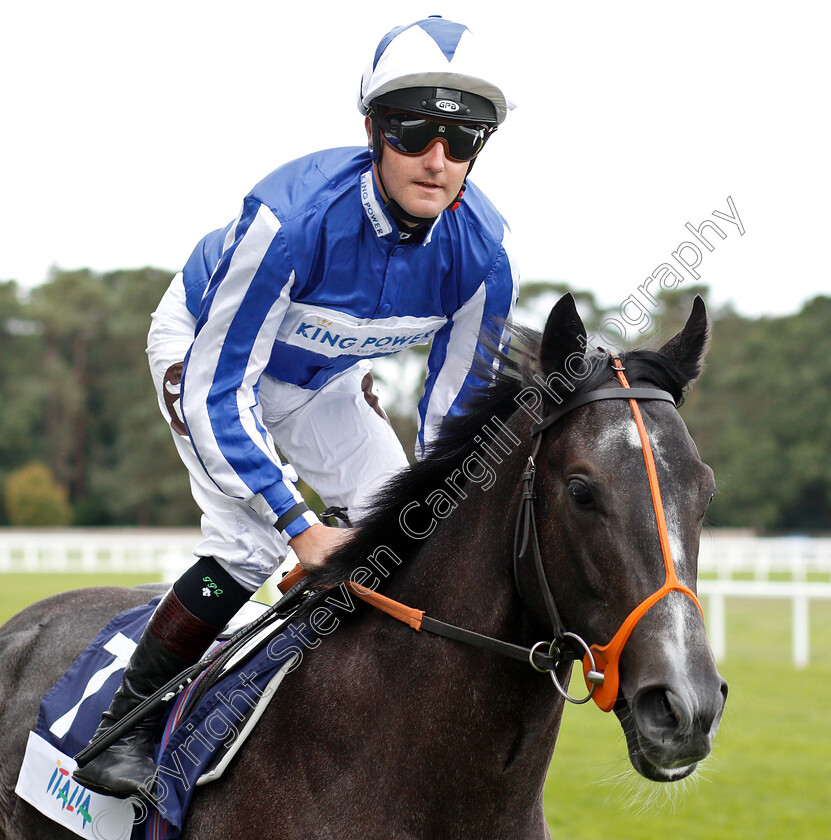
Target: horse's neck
464,572
464,575
442,704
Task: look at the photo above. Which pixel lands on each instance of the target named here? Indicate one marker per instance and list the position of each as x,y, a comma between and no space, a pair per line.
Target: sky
131,131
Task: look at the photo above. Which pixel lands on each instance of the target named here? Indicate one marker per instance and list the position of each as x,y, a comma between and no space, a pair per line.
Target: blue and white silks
313,277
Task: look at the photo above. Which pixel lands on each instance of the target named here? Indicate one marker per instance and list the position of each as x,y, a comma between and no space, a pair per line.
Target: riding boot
173,640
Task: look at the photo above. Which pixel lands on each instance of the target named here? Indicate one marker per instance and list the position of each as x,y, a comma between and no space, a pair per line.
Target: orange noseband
607,657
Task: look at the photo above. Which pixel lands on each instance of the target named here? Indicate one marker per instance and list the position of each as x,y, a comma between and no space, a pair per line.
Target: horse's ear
564,336
688,348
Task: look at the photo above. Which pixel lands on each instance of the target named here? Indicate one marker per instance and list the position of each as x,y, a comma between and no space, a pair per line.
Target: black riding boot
173,640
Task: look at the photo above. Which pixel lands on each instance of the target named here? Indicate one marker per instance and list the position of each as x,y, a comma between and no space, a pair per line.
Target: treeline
77,397
761,417
82,440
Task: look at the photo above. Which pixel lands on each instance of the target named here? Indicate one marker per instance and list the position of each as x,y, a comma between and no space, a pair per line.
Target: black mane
495,398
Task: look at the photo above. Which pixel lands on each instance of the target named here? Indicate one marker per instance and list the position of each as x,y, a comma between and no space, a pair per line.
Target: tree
71,309
21,385
136,475
94,417
760,417
34,498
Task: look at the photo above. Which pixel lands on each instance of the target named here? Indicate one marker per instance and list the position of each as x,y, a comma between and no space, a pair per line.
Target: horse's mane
495,397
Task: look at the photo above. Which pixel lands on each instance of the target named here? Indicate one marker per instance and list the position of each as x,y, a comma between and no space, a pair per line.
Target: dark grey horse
387,733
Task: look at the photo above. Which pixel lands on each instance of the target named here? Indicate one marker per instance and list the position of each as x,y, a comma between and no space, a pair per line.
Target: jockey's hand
316,543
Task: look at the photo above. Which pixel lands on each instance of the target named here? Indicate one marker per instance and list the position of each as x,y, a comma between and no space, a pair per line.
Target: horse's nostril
666,708
656,714
662,715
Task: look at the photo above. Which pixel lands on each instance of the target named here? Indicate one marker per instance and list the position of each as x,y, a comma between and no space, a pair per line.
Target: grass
768,777
19,590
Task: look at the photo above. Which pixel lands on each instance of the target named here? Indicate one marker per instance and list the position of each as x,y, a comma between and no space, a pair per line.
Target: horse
385,732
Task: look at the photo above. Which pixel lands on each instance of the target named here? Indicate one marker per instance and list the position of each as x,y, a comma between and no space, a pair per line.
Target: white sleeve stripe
458,360
232,232
248,408
209,343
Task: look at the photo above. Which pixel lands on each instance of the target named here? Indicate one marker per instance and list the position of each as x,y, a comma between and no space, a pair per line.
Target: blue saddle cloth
193,740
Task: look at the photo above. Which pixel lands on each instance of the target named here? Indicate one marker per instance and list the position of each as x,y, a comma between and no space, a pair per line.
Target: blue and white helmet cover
433,52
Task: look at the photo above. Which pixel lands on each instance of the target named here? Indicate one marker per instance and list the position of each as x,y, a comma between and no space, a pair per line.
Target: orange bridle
607,657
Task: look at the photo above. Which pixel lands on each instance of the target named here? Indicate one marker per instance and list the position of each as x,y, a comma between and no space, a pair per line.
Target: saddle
212,712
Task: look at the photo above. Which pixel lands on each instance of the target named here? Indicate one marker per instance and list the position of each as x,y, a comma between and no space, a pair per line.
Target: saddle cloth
194,747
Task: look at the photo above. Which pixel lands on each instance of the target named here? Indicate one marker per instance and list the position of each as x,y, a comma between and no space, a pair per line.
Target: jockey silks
310,279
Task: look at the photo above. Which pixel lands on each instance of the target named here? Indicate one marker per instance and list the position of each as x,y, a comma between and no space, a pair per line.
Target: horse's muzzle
670,729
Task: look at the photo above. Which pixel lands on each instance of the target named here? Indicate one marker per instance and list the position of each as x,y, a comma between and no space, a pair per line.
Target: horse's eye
580,493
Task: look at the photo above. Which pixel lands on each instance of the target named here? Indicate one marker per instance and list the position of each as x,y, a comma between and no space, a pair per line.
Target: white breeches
332,437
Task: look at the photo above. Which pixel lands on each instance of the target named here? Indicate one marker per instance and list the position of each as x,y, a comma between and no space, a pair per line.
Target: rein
417,620
600,663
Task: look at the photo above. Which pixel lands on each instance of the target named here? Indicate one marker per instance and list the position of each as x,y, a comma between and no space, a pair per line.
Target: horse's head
597,518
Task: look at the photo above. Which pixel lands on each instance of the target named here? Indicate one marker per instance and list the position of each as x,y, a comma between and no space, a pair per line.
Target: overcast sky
129,131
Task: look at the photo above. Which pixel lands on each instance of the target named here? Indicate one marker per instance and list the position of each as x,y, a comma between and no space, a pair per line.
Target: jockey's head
430,106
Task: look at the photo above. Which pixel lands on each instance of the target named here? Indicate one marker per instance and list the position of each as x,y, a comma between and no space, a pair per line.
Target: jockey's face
424,184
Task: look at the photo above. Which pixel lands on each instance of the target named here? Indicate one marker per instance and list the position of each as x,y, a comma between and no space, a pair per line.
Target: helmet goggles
410,134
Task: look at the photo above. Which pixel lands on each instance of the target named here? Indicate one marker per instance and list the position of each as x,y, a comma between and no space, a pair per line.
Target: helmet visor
412,135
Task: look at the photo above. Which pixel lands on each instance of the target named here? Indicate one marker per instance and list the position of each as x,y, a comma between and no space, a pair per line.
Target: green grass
19,590
768,777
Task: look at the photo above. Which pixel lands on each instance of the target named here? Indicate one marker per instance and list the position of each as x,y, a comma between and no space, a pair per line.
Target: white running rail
731,565
156,552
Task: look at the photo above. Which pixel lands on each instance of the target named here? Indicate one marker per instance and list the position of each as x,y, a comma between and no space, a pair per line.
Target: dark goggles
412,135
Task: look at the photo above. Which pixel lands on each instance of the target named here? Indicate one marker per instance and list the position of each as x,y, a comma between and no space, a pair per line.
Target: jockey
261,348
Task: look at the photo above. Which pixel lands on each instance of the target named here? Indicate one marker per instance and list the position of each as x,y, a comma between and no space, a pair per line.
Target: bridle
600,662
